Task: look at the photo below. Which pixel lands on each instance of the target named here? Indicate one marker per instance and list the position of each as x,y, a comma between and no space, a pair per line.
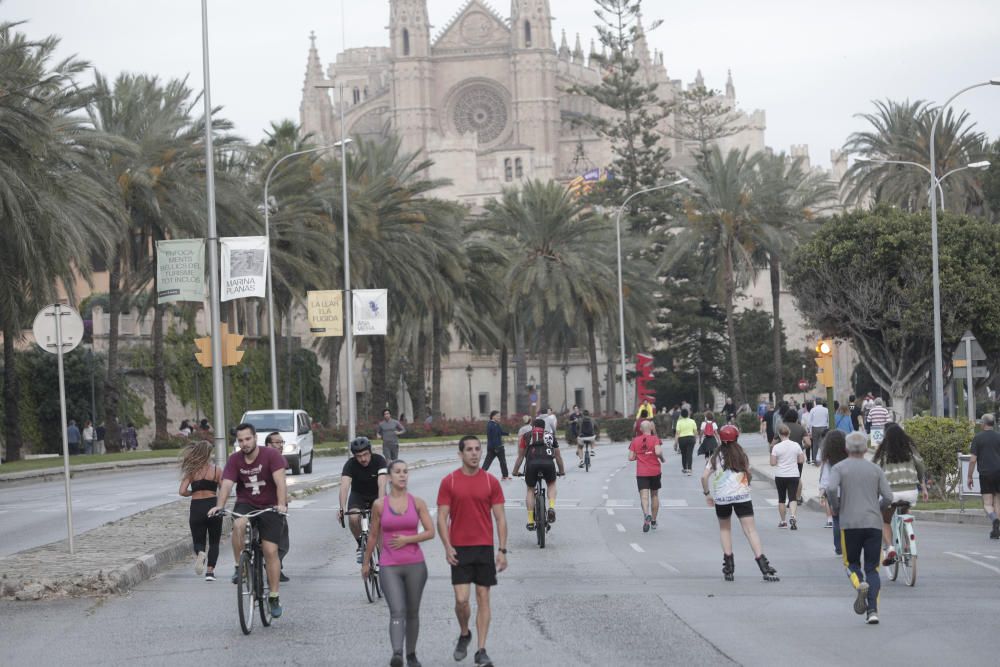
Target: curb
971,517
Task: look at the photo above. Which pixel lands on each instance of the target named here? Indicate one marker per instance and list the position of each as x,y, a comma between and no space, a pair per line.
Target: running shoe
652,524
236,576
283,578
552,515
531,525
358,554
829,523
782,524
689,473
462,647
275,606
995,533
581,464
199,563
890,557
483,660
861,600
792,524
411,660
396,660
645,523
872,618
210,576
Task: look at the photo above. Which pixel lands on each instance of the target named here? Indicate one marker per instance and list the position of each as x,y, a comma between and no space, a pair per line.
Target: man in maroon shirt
259,476
469,500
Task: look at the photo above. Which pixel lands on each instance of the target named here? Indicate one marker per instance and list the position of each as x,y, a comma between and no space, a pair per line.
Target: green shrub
618,430
748,422
939,441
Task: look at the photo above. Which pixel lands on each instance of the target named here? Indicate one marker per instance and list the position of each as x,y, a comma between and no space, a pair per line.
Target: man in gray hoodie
857,490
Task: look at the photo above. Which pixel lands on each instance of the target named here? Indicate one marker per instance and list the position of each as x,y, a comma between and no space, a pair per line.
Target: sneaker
462,647
890,557
995,533
210,576
531,525
652,524
396,660
199,563
236,576
829,523
581,464
275,606
782,524
792,524
645,523
359,554
872,618
483,660
689,473
283,578
505,479
861,600
551,515
411,660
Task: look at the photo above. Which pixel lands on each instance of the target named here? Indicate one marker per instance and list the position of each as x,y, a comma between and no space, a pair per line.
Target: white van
295,428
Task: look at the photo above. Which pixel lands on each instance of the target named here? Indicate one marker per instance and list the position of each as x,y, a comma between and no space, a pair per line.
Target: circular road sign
803,385
44,328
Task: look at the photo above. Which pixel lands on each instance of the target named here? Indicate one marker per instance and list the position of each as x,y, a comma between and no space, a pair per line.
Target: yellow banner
326,312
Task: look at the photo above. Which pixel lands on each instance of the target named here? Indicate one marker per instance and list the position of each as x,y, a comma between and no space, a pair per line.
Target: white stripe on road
673,502
637,548
604,495
974,561
298,504
621,528
604,488
670,567
611,512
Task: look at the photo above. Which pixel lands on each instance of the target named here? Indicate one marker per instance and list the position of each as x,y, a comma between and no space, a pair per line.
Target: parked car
294,427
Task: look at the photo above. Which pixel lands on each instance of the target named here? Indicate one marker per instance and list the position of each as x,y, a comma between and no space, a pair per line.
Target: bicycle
252,586
586,453
542,525
905,540
373,589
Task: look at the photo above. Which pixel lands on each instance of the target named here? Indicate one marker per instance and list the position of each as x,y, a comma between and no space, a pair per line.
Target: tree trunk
159,375
775,266
504,382
11,394
436,340
420,397
730,279
544,399
112,431
380,390
595,383
520,371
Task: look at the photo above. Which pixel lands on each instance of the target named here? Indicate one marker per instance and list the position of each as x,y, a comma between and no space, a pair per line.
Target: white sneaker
829,523
199,563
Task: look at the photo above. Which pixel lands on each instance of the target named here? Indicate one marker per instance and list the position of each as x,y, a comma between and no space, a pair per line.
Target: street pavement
600,593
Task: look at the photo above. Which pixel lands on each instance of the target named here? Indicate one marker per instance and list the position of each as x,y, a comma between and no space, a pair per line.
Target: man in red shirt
645,449
466,499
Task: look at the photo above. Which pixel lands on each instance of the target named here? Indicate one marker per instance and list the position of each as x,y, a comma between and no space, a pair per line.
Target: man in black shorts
986,455
259,476
539,450
362,482
276,442
469,501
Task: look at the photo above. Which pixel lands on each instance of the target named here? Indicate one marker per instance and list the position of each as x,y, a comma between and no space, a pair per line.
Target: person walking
819,423
904,468
857,491
395,521
878,417
786,457
389,430
796,433
686,431
494,444
200,480
276,442
844,421
708,443
986,457
130,438
73,437
726,485
647,451
469,501
88,437
834,451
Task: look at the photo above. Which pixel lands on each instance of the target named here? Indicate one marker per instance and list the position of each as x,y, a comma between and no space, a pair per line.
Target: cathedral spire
531,24
641,47
315,111
699,80
578,50
730,88
314,68
409,29
564,51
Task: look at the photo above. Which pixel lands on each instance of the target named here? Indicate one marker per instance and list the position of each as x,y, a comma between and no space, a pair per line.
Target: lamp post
938,354
468,374
982,164
621,292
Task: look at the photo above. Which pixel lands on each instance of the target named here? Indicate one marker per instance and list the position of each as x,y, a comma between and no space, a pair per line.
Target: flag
180,270
326,312
244,267
371,312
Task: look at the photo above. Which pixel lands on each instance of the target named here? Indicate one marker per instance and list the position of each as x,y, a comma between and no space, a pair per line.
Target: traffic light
204,353
824,363
231,354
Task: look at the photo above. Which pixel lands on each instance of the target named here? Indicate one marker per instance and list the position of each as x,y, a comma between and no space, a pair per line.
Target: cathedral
486,98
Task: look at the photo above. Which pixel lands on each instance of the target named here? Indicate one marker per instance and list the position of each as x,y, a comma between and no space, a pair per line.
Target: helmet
729,433
360,444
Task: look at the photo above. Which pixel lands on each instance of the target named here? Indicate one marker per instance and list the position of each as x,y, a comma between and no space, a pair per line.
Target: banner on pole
371,312
326,312
180,270
244,267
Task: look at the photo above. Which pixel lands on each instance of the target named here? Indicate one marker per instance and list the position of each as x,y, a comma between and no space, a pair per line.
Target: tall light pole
936,279
468,373
621,291
982,164
270,284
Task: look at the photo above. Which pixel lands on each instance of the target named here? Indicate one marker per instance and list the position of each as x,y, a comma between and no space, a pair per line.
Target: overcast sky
810,65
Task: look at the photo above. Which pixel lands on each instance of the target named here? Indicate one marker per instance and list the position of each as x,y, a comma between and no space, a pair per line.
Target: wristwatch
706,492
502,550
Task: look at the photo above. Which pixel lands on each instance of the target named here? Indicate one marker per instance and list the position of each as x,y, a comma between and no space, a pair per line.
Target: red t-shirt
647,463
470,500
255,481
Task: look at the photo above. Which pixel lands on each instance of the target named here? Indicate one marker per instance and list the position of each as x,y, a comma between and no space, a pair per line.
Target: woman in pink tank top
395,524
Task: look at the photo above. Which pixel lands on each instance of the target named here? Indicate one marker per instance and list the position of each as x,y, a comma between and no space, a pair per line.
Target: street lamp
938,354
982,164
621,292
468,374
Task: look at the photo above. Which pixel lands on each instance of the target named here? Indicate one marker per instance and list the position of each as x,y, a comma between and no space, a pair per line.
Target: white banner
371,312
244,267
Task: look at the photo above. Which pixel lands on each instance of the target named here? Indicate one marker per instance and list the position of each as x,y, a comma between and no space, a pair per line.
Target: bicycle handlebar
249,515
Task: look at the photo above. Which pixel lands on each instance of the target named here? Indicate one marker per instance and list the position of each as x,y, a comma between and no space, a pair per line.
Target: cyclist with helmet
726,485
362,482
539,450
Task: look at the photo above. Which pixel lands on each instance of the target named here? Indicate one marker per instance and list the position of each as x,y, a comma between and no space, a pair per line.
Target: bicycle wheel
263,603
586,460
376,572
541,520
894,568
245,593
369,583
907,558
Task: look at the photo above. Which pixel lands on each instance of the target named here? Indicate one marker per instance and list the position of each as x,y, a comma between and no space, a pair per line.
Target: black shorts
742,509
270,525
533,470
651,483
787,488
989,482
476,565
358,502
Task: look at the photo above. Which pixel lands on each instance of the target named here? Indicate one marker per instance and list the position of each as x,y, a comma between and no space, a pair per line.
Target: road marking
974,561
637,548
611,512
604,488
299,504
619,503
670,567
604,495
773,502
990,557
621,528
673,502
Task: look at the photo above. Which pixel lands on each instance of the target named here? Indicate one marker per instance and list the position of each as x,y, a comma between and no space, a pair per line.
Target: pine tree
701,115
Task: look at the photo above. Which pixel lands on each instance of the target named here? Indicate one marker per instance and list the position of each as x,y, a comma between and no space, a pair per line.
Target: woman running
787,456
200,480
402,570
834,451
708,432
897,456
726,485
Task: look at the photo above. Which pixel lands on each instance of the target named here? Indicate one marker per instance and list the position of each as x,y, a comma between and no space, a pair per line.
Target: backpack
586,427
709,429
540,445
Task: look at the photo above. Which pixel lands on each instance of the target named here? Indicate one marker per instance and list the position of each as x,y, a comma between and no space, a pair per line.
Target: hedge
939,441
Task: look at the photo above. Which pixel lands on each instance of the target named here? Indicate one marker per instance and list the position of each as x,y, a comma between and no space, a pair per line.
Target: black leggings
686,444
496,453
202,525
788,487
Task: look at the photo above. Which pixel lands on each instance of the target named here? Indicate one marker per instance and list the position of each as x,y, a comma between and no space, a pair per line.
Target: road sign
44,328
978,354
803,384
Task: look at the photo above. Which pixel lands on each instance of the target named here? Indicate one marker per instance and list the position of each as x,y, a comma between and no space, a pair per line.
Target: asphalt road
601,593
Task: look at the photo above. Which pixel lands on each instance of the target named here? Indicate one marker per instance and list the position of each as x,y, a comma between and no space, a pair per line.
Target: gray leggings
403,586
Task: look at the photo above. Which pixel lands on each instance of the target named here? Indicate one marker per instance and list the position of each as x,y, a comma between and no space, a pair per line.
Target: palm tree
55,212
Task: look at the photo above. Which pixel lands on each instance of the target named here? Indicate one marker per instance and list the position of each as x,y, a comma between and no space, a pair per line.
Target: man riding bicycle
362,482
586,433
259,476
540,451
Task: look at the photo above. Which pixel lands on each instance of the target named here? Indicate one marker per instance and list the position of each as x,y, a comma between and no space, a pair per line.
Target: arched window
518,168
508,172
406,42
366,92
357,95
527,33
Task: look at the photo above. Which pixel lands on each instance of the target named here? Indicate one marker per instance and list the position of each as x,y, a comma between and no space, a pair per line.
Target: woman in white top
786,456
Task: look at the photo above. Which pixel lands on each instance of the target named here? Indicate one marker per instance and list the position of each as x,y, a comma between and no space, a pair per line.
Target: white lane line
604,488
773,502
611,512
974,561
620,503
298,504
670,567
604,495
637,548
621,528
991,557
673,502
